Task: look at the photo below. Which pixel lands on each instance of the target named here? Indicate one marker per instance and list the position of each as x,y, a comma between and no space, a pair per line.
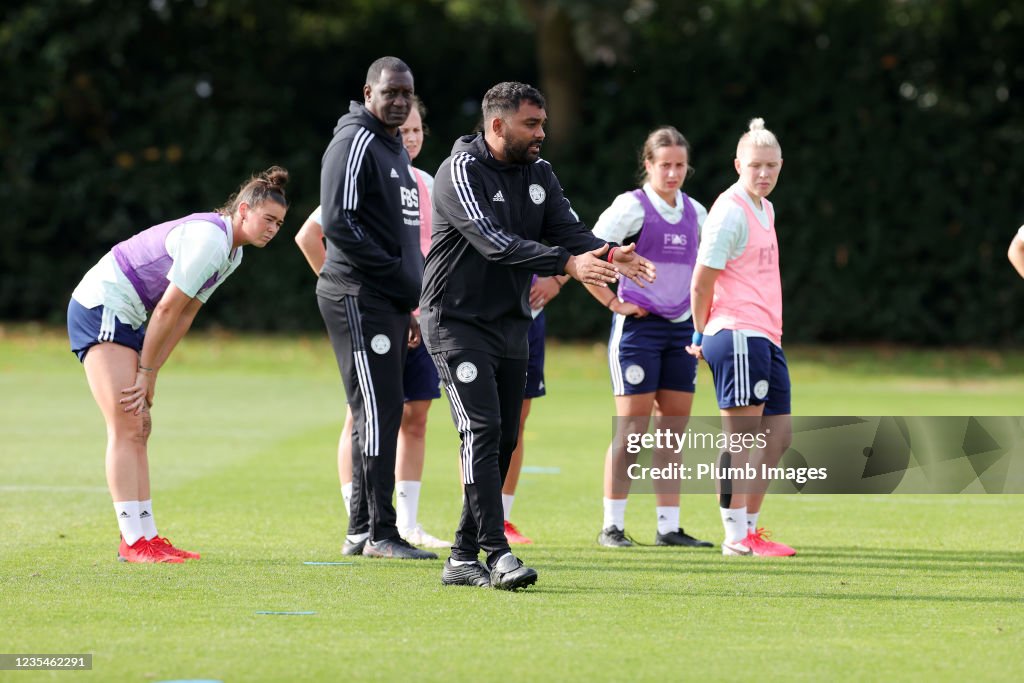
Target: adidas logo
394,173
124,515
662,518
498,197
401,494
144,514
729,519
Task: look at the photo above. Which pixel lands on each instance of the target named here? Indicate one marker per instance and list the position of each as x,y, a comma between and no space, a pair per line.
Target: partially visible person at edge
495,200
367,289
651,371
167,273
1016,251
420,380
737,309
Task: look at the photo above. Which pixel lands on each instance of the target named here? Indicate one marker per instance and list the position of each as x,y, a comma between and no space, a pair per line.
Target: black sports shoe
350,548
472,574
614,537
397,548
509,574
680,537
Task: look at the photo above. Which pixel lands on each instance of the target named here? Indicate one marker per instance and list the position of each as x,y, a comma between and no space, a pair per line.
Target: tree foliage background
901,121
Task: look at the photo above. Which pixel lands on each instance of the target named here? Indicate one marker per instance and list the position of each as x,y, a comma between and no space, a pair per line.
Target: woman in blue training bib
164,273
651,371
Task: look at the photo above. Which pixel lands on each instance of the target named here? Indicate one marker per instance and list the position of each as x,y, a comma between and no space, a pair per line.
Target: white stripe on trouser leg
614,364
107,322
462,424
371,444
741,369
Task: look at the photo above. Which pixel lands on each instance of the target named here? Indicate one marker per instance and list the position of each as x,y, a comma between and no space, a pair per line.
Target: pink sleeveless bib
748,293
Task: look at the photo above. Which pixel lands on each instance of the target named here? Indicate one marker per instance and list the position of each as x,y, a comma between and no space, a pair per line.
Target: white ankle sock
752,521
735,522
506,504
615,513
668,519
459,563
357,538
346,494
128,520
407,505
146,517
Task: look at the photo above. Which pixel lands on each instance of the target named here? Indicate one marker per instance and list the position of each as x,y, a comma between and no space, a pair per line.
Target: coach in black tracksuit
367,289
495,201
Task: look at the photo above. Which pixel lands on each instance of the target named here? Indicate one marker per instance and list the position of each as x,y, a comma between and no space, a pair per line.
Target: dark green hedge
901,125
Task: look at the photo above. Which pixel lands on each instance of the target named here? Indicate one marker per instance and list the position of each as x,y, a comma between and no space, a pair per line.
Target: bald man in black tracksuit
367,289
495,201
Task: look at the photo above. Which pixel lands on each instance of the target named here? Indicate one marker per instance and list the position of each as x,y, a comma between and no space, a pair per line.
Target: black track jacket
370,204
488,223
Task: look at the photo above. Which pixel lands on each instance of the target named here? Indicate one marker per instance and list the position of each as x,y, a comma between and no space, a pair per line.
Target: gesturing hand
591,268
633,265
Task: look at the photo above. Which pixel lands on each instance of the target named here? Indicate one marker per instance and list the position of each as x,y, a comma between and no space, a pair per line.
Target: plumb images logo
835,454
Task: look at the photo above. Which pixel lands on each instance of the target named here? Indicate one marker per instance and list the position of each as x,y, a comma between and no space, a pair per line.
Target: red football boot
145,552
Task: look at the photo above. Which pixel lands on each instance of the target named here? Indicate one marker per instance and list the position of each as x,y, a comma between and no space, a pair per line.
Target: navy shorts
419,379
86,329
648,354
535,366
748,371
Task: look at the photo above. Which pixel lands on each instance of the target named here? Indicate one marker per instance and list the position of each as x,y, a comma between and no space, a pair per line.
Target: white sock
752,521
128,520
357,538
506,504
668,519
735,522
615,513
459,563
407,506
346,494
146,517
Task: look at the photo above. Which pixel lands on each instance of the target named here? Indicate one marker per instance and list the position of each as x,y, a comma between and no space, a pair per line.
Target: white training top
625,218
725,237
198,249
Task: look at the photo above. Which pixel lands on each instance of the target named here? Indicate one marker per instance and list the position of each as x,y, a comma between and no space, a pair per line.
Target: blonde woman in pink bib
736,295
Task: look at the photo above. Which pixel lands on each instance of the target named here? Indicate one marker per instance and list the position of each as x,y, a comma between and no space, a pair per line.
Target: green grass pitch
243,465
